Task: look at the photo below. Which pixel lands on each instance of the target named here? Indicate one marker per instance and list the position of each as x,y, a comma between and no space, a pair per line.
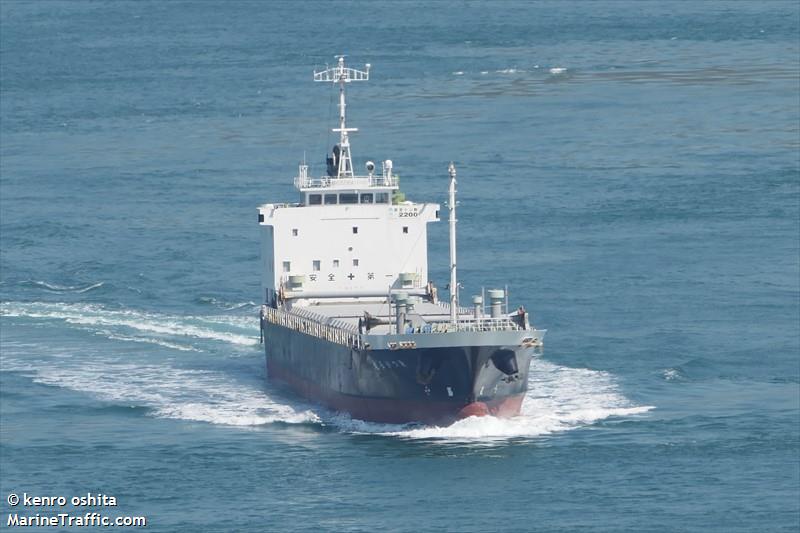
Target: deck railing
467,324
487,324
344,333
357,182
311,327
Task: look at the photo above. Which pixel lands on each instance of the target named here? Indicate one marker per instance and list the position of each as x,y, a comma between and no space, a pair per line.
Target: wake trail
171,331
559,398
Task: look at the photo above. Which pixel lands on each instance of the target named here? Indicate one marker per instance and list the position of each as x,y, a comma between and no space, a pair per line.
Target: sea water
629,170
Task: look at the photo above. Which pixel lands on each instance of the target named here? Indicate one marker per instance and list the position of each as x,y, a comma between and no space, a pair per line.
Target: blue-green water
629,169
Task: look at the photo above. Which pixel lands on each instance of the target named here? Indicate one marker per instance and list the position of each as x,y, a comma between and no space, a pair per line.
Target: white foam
240,305
558,70
226,305
200,395
672,374
147,340
248,323
100,318
559,399
458,73
53,287
163,326
255,412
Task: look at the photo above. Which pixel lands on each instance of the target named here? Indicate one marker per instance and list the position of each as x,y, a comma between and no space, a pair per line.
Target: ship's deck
422,317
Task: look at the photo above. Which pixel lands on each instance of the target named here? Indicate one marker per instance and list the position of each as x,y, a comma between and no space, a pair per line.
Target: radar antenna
341,75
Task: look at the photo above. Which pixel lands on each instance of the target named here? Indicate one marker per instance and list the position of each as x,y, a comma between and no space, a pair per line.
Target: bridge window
348,198
355,262
382,198
314,199
355,229
316,264
287,266
335,263
366,198
405,229
330,199
294,232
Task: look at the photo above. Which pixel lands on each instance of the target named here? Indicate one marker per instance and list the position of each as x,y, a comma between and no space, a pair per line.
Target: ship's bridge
350,189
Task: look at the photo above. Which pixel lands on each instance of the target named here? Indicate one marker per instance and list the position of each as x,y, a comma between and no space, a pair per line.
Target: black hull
430,385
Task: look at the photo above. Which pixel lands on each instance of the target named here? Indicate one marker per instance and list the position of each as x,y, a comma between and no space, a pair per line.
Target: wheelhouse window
355,262
366,198
382,198
316,264
348,198
330,199
287,266
314,199
405,229
335,263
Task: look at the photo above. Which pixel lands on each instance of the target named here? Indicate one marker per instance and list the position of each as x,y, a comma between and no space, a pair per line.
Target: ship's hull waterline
435,385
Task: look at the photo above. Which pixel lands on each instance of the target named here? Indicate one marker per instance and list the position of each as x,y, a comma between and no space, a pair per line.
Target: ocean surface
629,169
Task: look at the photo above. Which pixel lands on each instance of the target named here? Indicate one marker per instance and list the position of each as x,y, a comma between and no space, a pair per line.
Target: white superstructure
350,236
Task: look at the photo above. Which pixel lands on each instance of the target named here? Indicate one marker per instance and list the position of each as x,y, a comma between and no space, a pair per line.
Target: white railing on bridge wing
358,182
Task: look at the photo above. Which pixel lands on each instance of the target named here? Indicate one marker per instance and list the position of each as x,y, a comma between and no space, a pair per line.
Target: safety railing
343,333
487,324
461,310
357,182
478,324
338,335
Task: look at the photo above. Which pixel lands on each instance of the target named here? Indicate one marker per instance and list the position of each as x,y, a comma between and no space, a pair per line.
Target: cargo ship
350,319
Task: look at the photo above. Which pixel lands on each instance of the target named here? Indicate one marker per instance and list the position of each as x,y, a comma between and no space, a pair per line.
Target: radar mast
341,75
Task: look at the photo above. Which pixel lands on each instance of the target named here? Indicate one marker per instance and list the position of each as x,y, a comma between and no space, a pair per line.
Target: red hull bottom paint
395,411
503,408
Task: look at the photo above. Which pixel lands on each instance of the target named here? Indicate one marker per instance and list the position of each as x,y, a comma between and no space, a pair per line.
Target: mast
453,279
341,75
